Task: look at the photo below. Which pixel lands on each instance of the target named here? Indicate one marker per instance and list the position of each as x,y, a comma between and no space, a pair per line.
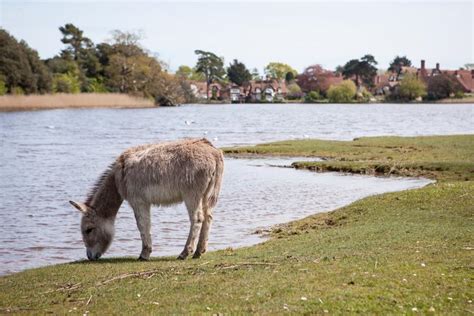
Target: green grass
390,253
436,157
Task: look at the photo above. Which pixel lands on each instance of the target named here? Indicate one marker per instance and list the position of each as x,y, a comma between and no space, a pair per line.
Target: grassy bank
10,103
403,252
468,98
435,157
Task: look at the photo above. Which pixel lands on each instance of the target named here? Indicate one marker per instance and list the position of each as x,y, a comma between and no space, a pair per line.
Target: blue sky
297,33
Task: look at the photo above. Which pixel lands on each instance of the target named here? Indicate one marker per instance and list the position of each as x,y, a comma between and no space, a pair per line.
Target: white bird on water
188,122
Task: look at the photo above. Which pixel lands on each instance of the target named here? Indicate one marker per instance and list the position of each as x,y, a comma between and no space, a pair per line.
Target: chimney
422,64
437,66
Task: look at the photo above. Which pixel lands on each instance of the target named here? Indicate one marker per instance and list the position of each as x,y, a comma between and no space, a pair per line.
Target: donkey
167,173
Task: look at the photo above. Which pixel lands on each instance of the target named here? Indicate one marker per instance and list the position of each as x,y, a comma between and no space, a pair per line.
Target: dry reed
82,100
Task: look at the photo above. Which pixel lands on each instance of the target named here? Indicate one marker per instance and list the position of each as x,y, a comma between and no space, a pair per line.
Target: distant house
386,82
269,90
464,77
216,91
236,94
199,89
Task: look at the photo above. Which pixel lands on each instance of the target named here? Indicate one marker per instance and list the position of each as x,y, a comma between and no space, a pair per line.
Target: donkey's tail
214,188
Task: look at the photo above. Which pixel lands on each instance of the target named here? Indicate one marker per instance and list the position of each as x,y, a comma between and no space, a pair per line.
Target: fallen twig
247,264
89,300
68,287
147,274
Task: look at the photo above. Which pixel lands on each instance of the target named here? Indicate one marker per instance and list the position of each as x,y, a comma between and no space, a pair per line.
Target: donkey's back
171,172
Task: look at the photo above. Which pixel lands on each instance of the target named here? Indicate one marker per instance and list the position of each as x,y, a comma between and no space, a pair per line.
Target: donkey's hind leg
142,216
204,236
196,218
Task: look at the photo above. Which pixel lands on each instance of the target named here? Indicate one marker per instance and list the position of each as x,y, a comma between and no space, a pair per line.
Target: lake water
50,157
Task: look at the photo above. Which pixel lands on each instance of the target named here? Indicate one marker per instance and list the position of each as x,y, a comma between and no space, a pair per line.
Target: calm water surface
49,157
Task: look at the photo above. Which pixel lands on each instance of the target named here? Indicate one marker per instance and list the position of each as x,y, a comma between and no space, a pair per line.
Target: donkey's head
97,232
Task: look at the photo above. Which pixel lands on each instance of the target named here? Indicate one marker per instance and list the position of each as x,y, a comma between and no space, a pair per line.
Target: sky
297,33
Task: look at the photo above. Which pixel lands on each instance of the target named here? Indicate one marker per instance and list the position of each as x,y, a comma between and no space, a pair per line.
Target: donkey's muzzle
92,256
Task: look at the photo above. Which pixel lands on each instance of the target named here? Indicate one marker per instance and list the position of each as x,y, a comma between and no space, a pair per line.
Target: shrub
411,88
95,85
294,92
17,91
442,86
66,83
312,97
459,94
3,87
343,92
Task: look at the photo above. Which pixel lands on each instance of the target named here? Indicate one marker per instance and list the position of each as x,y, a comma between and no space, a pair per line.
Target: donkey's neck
105,198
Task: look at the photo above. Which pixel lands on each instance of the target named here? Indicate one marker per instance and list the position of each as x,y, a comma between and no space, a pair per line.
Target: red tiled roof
464,77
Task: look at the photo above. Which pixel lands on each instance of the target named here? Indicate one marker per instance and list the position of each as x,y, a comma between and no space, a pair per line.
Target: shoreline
399,251
21,103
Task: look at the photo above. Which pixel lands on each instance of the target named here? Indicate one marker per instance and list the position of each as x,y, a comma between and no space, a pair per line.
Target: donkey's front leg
196,217
142,216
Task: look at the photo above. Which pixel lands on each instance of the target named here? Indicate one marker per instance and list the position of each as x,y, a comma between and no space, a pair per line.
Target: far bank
11,103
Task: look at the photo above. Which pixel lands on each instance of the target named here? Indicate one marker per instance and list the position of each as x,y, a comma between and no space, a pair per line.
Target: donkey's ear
81,207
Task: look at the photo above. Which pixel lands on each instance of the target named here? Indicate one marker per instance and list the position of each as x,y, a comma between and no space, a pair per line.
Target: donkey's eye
89,230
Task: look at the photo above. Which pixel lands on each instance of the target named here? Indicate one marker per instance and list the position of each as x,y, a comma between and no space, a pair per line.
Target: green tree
238,73
41,73
255,74
184,72
278,71
167,90
66,83
81,50
77,42
468,66
21,67
127,43
127,67
398,62
289,77
411,88
361,70
3,87
343,92
211,66
96,85
188,73
133,74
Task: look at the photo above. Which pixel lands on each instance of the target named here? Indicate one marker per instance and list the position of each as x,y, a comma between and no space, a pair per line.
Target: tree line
122,65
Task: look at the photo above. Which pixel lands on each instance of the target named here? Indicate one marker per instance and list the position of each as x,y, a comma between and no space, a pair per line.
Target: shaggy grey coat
188,171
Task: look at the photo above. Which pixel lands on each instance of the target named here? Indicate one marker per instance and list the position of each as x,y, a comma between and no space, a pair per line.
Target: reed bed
83,100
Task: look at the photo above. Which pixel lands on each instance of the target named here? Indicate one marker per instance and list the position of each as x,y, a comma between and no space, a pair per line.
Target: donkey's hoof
197,255
182,256
143,258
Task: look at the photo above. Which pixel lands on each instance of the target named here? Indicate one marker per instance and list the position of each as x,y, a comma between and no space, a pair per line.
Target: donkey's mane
98,184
